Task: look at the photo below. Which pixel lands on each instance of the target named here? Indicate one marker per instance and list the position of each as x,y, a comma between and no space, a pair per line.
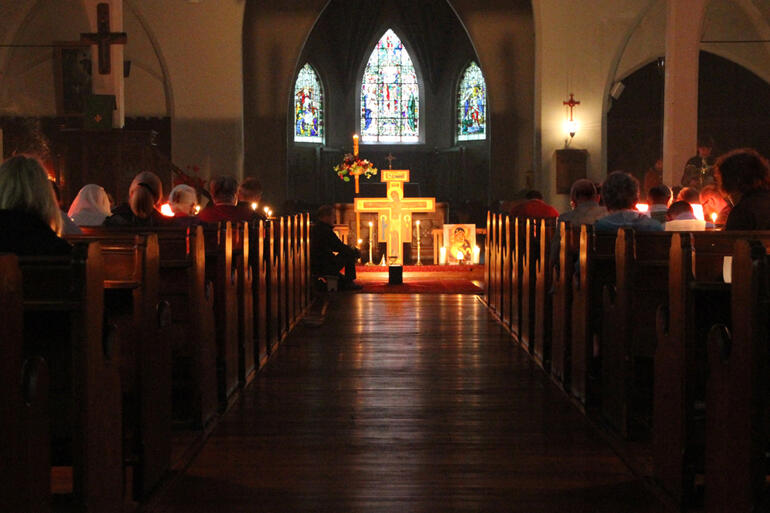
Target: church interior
344,257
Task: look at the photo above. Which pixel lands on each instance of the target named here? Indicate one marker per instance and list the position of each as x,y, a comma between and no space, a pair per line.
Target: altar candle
714,217
355,145
418,242
371,239
442,256
476,254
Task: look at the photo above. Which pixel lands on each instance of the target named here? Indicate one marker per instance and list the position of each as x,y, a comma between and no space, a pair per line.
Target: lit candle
419,262
714,217
165,209
254,205
355,145
371,241
476,254
442,256
197,209
460,257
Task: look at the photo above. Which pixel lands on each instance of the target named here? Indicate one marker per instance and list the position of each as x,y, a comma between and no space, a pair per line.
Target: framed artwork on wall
73,78
459,241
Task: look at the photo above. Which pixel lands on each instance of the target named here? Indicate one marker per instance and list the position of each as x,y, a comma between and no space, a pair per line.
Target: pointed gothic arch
471,122
390,110
309,106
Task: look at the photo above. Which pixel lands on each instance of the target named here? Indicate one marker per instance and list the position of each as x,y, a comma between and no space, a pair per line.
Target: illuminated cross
394,213
103,38
571,104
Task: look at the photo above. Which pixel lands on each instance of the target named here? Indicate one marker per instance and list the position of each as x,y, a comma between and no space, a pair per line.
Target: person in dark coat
744,176
30,218
144,198
328,255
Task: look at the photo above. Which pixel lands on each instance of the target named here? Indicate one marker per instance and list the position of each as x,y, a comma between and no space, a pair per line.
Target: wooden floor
404,403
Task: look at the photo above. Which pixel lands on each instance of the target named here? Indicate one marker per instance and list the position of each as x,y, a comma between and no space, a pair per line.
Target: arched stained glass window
308,107
390,94
472,105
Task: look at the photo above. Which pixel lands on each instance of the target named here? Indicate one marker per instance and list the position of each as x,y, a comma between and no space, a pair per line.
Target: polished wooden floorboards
404,403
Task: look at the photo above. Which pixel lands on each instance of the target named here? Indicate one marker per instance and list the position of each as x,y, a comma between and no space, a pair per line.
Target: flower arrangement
354,166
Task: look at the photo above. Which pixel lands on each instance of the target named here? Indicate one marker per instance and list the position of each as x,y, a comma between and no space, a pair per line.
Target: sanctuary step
404,403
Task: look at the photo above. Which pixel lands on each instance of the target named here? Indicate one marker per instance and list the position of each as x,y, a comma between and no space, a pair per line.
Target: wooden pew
260,284
629,311
25,467
132,304
529,257
274,289
288,283
488,255
506,276
219,271
697,298
596,267
183,285
561,341
242,248
517,240
737,390
543,305
63,312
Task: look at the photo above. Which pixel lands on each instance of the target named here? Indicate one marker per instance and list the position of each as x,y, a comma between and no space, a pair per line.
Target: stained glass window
390,94
308,107
472,105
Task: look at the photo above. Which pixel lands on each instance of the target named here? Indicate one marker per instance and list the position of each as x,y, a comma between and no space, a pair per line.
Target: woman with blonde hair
91,206
30,219
144,198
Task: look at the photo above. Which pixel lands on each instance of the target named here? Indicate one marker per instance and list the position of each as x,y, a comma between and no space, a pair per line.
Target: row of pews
643,332
107,351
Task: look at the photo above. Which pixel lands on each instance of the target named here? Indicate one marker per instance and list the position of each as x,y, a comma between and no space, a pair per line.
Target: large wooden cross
103,38
394,213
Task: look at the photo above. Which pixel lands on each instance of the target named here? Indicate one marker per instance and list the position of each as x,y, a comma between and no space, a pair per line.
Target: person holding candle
715,206
328,254
744,176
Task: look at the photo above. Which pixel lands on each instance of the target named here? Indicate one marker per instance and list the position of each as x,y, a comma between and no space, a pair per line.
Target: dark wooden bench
63,315
628,343
697,298
183,286
737,400
133,306
242,247
563,275
25,441
528,253
506,276
596,267
259,248
219,271
543,299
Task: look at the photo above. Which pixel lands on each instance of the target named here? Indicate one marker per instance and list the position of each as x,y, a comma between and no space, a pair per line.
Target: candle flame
460,255
165,209
254,205
197,209
642,207
371,224
714,217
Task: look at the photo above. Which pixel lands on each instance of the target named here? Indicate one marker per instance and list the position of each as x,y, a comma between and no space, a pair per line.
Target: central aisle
404,403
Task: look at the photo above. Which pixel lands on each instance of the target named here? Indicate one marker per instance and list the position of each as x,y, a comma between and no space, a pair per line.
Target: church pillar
111,83
684,26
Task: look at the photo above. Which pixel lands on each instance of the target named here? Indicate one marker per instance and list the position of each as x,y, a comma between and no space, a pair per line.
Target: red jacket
220,213
534,208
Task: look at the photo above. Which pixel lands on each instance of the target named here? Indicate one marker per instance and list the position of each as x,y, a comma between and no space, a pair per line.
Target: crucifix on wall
103,38
394,213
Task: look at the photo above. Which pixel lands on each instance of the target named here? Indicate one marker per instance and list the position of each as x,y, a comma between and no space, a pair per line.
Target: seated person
327,252
30,217
659,197
620,192
144,198
681,218
224,203
689,194
249,196
534,206
715,206
584,200
91,206
744,176
182,199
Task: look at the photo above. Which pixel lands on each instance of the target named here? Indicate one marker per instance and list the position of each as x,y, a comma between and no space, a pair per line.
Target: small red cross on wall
571,104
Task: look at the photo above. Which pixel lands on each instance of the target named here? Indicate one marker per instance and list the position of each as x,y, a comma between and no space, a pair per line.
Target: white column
112,83
684,26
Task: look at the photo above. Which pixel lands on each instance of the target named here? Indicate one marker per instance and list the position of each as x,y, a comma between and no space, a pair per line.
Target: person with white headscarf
182,199
91,206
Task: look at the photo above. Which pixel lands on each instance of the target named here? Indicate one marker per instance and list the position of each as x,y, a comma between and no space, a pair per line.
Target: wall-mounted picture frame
73,77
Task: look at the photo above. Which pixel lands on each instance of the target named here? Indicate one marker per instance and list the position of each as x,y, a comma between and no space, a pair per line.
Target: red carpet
422,268
421,287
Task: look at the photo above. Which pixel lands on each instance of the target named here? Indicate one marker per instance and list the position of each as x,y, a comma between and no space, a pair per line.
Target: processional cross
103,38
394,213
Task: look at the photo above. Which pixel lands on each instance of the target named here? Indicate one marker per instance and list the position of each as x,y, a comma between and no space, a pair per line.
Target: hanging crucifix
103,38
571,125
